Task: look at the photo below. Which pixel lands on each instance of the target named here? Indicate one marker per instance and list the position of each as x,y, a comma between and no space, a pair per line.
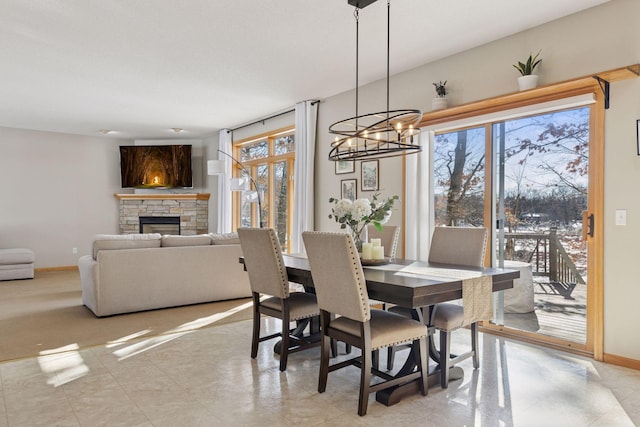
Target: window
269,158
459,182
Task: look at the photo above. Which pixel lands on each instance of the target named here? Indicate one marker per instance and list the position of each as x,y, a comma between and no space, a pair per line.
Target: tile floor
206,378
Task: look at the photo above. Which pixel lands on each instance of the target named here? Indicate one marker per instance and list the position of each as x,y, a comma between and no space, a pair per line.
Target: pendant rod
357,15
388,50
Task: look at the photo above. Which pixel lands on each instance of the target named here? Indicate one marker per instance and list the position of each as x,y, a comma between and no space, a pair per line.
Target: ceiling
143,67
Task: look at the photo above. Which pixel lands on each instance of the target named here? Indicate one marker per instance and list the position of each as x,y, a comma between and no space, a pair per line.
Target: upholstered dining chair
268,277
345,315
456,246
389,237
463,246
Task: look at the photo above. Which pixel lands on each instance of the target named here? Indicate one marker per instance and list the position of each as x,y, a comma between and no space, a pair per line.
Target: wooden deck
555,315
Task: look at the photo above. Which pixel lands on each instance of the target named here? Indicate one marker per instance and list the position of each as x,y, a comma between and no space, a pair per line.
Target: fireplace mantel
193,210
177,196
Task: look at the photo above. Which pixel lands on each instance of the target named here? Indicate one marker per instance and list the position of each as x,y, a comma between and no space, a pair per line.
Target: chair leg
334,347
324,362
445,361
375,359
256,331
347,348
474,345
284,348
422,360
365,381
391,353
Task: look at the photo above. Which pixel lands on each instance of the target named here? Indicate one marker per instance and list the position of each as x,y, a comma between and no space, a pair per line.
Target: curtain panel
418,198
224,182
306,116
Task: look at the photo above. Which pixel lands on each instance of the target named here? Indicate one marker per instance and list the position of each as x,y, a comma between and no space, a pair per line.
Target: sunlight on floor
185,328
62,365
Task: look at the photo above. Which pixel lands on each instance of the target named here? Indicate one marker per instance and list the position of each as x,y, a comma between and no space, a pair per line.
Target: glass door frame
595,244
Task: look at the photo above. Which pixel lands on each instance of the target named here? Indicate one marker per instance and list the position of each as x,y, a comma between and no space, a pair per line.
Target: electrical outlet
74,250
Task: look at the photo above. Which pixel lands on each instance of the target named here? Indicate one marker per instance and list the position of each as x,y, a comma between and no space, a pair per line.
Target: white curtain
224,182
303,176
418,197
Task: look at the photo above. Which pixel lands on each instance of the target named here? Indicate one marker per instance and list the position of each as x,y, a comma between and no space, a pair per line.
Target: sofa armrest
88,268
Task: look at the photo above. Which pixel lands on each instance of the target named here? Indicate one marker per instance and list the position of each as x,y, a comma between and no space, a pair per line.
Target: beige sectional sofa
135,272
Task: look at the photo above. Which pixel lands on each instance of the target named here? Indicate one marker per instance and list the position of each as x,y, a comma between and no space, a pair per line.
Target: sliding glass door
527,180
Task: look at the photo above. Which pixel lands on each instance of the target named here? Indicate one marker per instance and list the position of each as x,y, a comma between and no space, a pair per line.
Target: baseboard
62,268
622,361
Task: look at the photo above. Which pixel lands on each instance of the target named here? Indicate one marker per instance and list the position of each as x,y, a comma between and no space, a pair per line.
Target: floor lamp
216,167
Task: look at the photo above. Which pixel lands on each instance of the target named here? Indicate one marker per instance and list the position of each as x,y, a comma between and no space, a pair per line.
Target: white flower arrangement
357,215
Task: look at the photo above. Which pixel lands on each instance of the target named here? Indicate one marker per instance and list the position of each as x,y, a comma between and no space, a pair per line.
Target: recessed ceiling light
177,130
105,131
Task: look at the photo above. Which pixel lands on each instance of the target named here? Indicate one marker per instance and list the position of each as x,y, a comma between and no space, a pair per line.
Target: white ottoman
16,264
520,298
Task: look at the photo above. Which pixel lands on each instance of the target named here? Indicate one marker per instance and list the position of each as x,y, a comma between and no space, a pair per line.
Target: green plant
527,68
441,90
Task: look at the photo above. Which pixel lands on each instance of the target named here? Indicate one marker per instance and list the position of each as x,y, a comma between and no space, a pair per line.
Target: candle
376,242
378,252
367,251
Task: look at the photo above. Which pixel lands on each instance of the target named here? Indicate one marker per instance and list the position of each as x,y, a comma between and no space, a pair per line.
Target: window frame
269,196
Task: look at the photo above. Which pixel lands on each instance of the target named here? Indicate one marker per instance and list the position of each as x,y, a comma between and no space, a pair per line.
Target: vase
527,82
439,103
359,237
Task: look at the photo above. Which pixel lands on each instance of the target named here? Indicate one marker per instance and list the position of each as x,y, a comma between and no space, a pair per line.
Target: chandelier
376,135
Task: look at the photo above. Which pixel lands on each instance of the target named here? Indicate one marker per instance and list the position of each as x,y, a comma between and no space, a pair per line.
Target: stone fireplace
191,209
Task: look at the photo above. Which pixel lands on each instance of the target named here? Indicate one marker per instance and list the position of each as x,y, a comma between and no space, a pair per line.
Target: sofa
136,272
16,264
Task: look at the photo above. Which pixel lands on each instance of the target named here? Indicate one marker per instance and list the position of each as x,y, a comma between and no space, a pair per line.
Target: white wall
598,39
57,191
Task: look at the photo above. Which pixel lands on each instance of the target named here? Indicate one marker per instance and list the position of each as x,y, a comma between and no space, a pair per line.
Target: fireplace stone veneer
193,210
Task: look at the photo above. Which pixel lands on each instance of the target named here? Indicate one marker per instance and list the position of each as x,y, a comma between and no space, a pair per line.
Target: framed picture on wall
349,189
345,166
370,175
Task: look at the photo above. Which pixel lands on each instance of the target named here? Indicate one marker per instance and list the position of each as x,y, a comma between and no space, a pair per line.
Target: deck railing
548,257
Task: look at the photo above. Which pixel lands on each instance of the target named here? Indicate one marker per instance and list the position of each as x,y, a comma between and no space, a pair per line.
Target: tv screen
155,166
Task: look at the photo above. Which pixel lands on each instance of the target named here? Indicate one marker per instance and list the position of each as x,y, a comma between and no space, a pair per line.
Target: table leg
393,395
313,336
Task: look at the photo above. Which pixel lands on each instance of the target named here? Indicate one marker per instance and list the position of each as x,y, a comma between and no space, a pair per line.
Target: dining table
413,284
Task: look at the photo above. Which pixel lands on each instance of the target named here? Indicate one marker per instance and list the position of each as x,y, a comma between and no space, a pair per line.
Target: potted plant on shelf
440,101
528,80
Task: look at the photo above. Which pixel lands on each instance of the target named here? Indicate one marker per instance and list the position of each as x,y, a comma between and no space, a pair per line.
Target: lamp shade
239,184
215,167
250,196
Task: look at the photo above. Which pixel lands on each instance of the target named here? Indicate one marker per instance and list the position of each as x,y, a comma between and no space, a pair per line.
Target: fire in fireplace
160,224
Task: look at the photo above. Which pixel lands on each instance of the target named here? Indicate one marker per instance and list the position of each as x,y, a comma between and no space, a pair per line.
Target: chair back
263,261
458,245
389,237
337,274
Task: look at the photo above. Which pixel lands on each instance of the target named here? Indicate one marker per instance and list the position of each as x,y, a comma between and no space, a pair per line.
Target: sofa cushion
225,238
174,241
125,241
16,256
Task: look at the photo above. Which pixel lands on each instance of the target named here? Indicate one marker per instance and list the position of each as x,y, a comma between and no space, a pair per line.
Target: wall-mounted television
155,166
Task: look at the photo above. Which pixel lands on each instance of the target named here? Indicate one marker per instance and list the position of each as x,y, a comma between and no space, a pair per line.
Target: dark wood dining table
410,284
